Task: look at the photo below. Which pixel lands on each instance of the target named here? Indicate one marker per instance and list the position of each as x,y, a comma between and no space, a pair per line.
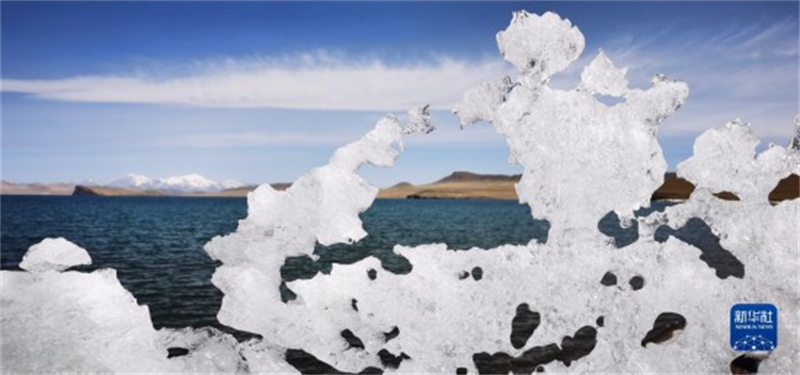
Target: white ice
54,254
72,321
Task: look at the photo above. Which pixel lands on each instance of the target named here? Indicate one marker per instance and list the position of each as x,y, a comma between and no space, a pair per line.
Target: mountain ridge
457,185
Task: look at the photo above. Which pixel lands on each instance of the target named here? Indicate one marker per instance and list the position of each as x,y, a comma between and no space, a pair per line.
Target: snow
190,183
230,184
54,254
135,181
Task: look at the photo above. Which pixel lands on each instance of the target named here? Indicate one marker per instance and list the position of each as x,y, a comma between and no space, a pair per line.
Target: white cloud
256,138
309,82
747,71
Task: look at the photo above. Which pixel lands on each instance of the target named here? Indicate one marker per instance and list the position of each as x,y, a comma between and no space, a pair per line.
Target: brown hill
788,188
10,188
113,192
458,185
462,176
673,188
473,185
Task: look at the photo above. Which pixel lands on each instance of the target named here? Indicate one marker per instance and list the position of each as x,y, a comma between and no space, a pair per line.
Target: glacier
575,303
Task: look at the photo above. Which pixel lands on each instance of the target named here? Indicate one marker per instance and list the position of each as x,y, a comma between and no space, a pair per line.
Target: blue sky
263,91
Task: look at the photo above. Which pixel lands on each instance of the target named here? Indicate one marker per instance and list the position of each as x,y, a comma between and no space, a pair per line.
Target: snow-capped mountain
132,181
190,183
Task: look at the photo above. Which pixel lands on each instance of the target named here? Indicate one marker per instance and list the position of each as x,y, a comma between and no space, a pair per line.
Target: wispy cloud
254,138
748,71
317,82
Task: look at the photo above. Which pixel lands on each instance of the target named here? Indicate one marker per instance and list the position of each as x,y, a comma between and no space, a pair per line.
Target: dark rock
307,364
636,282
176,352
477,273
498,363
390,360
522,326
745,365
664,327
578,346
609,279
391,334
352,340
541,355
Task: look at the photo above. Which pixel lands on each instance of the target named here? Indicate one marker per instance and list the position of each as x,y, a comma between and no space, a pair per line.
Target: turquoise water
156,243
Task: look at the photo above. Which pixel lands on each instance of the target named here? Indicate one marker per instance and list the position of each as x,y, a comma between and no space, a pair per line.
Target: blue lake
156,243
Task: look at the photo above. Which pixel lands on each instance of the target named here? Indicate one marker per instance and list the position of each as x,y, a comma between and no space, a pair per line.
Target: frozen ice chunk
419,121
540,46
54,254
209,350
76,322
664,97
581,158
480,103
725,159
794,144
321,206
602,77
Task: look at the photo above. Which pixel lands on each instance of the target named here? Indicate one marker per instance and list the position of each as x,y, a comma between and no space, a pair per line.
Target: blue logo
754,327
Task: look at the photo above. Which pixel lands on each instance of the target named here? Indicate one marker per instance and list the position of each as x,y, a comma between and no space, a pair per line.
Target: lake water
156,243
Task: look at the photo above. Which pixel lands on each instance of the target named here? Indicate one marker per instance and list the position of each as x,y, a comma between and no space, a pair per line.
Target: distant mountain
105,191
113,191
131,181
190,183
461,176
10,188
456,185
492,186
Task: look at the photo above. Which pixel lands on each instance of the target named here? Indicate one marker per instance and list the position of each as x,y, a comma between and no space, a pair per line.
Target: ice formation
71,321
321,206
653,307
581,158
732,151
573,304
54,254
